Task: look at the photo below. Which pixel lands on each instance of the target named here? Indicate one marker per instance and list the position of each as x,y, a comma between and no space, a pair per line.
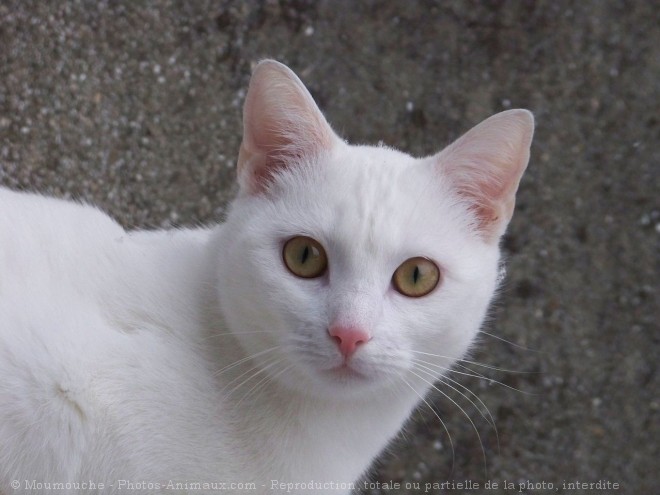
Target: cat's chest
293,441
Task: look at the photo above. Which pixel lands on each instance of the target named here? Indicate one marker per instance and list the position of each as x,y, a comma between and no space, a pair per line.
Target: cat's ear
485,166
281,125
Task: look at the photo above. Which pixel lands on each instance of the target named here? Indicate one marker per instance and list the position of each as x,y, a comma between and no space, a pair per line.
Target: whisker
260,370
492,420
272,378
255,367
474,374
489,379
433,373
483,450
489,419
225,334
240,361
395,387
509,342
450,370
474,363
264,381
453,453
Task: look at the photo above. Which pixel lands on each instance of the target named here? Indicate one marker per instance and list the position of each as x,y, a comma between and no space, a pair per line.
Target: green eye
416,277
304,257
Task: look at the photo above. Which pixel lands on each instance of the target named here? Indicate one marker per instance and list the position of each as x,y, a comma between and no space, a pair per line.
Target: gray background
136,107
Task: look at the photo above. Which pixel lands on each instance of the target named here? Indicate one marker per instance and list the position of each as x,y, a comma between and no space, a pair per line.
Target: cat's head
342,267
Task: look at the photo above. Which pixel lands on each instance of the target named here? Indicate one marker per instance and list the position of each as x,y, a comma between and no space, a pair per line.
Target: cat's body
196,356
122,367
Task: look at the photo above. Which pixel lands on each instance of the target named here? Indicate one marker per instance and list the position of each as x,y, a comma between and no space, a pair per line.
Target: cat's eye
416,277
305,257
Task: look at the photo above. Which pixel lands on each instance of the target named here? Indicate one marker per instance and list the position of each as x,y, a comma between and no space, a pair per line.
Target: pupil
305,255
416,275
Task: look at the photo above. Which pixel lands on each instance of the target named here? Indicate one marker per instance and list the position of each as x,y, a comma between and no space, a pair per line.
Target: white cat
279,350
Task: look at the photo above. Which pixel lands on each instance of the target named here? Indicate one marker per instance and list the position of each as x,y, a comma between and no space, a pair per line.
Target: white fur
116,347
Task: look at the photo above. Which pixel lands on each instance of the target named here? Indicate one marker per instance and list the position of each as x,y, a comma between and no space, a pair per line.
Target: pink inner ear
263,172
492,197
282,124
485,166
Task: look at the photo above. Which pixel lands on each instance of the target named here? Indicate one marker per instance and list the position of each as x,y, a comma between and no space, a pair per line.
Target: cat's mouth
345,371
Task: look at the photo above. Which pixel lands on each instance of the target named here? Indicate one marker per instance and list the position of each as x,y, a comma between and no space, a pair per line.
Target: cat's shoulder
53,245
23,203
25,213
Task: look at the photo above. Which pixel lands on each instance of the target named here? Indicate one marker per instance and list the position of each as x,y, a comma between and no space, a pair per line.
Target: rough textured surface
136,107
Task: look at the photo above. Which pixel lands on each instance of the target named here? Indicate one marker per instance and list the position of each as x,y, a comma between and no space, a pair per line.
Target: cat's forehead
367,178
372,203
366,185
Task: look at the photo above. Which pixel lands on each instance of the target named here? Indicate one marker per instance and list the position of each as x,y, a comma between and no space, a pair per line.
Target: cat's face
371,210
311,246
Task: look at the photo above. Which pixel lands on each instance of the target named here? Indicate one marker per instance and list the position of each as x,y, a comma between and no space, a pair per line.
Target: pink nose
348,338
